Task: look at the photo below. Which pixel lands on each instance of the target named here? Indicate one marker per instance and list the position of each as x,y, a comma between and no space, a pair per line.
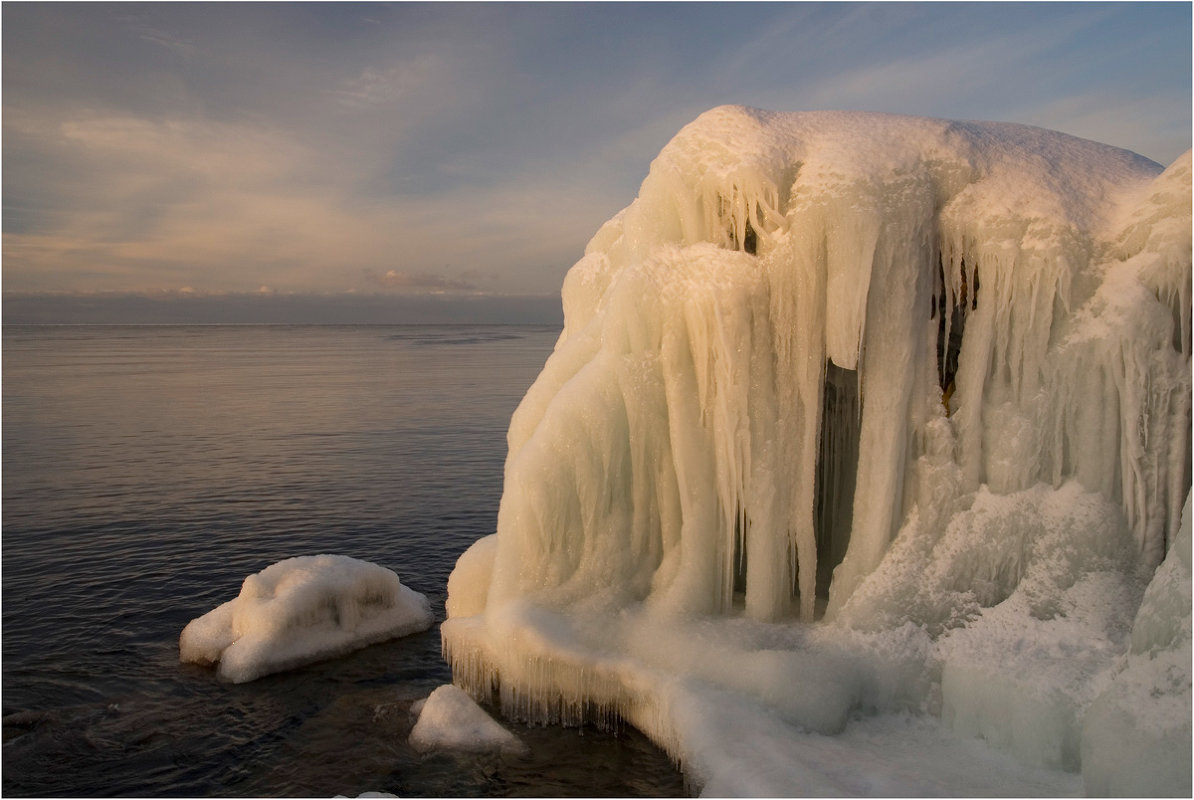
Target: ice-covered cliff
928,378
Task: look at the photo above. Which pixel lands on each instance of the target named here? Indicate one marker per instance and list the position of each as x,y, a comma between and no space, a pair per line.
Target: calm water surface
148,470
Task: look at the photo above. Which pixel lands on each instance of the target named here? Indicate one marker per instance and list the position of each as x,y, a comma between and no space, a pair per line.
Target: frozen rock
451,720
302,610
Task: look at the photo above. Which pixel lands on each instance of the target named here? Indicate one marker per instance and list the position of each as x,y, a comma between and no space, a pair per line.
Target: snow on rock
927,381
450,720
302,610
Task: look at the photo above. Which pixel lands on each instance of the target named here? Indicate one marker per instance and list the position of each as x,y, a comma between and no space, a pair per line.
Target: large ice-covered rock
928,379
303,610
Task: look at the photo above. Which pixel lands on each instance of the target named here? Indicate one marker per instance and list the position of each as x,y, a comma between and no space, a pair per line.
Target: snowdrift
925,382
303,610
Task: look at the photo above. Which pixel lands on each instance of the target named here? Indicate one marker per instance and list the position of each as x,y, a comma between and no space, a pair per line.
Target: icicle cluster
807,332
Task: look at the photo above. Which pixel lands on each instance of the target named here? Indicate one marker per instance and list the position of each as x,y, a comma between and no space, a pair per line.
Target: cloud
220,206
1143,124
383,85
307,149
174,44
421,281
146,194
262,171
950,59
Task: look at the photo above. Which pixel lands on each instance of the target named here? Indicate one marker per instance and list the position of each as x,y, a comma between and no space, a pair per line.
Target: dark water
148,470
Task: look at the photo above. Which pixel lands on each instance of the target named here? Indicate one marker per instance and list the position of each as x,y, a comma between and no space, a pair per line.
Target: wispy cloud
422,281
157,204
459,148
175,44
1142,124
378,85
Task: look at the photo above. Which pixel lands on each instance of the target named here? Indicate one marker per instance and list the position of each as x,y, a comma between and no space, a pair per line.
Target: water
148,470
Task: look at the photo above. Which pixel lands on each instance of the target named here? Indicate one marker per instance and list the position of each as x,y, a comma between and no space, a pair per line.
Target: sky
449,161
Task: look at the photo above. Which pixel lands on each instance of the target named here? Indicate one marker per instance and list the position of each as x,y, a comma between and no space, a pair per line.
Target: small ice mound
450,720
303,610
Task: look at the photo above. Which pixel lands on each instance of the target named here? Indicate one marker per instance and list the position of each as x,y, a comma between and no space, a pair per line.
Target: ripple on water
147,471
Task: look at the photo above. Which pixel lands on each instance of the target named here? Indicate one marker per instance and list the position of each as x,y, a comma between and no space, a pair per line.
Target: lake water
148,470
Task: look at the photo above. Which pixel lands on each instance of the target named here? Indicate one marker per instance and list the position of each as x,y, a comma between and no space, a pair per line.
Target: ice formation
303,610
450,720
926,381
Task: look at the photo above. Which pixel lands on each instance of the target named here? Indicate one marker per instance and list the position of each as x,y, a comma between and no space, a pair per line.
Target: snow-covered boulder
450,720
303,610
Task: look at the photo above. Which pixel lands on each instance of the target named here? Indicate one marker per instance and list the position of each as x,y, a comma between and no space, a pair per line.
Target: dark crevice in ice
951,322
837,469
